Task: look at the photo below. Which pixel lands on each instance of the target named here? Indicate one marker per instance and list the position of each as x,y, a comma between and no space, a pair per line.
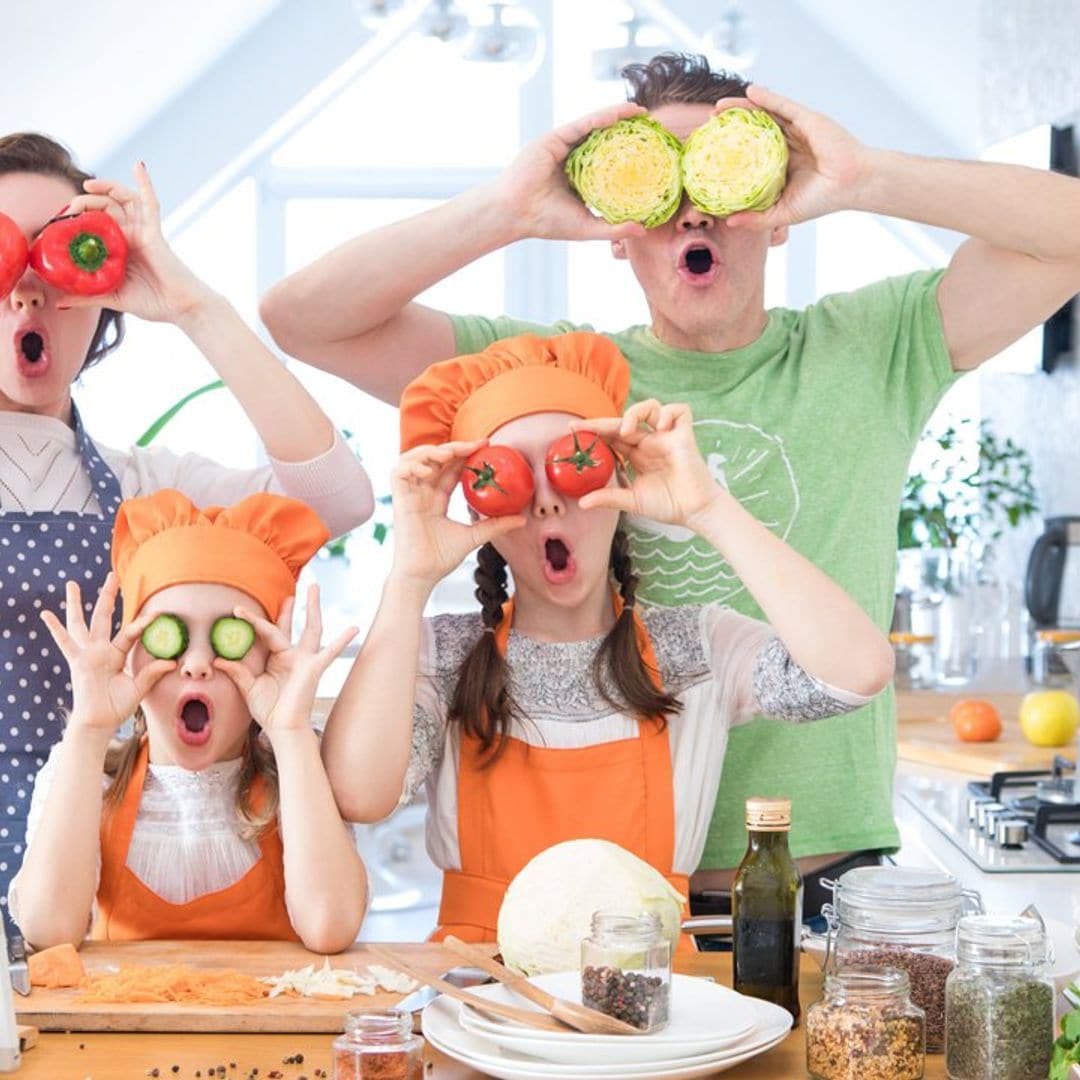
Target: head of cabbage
548,908
628,171
737,160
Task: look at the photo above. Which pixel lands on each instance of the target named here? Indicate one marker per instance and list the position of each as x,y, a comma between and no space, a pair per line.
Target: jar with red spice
378,1045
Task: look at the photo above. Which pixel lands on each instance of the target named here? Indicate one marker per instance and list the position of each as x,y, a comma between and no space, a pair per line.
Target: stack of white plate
711,1029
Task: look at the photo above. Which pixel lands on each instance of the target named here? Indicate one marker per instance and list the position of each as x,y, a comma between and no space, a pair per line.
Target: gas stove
1015,822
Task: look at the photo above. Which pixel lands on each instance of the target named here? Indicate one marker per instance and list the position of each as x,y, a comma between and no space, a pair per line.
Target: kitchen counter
105,1057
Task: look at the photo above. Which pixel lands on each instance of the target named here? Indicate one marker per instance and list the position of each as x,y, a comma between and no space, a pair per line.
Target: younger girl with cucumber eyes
567,710
214,819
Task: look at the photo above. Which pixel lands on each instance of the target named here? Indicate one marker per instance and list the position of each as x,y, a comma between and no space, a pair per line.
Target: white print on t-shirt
677,567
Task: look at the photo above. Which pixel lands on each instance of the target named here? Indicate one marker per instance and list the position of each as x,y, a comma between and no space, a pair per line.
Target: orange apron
252,909
534,797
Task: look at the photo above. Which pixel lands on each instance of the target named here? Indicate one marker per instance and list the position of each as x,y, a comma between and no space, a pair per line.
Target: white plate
705,1017
440,1028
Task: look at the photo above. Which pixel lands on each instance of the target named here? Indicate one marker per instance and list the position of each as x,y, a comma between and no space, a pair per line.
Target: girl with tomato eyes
77,256
564,708
215,818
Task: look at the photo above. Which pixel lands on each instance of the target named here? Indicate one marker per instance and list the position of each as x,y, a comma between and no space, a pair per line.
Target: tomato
975,721
14,255
579,463
84,254
497,481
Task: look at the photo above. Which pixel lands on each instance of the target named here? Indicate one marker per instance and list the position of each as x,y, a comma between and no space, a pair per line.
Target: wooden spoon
529,1017
579,1017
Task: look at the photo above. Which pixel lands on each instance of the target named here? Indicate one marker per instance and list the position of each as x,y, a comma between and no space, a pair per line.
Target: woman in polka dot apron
59,489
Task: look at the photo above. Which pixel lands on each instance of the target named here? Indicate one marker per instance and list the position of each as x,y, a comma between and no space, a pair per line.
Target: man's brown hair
679,79
30,152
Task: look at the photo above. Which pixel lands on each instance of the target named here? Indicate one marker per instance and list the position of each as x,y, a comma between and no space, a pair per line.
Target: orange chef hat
259,546
468,397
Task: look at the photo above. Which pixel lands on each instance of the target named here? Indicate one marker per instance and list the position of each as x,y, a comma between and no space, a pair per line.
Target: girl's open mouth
31,354
194,720
559,565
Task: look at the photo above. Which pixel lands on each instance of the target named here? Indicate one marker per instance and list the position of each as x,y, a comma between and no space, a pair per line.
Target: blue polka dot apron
39,554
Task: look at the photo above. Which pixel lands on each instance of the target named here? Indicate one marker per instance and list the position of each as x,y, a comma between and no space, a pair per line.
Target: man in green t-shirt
810,416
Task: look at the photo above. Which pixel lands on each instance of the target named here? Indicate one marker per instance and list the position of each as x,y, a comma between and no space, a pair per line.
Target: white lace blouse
186,840
724,667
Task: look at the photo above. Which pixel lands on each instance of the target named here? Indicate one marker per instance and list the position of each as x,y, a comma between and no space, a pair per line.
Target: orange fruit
975,720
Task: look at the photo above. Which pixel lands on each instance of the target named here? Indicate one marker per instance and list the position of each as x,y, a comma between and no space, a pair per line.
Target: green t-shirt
812,427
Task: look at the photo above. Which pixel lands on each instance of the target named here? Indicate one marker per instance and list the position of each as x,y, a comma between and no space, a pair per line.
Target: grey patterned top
553,681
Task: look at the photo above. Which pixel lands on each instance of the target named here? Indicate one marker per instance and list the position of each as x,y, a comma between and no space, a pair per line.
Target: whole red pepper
84,254
13,254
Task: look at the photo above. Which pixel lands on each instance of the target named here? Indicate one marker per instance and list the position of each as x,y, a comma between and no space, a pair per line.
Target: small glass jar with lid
378,1044
626,969
901,917
1047,666
865,1027
914,653
999,1002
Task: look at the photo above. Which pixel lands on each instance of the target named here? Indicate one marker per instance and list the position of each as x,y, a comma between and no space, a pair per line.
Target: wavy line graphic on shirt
674,565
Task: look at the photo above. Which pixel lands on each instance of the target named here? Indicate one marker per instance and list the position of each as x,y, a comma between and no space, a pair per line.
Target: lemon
1049,717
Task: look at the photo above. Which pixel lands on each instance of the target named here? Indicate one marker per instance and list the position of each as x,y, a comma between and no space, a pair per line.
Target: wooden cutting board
925,736
61,1010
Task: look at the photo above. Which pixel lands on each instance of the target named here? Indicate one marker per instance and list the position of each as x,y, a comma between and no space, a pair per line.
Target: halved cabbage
737,160
628,171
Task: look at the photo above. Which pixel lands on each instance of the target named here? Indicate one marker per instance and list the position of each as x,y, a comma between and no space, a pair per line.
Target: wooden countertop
93,1056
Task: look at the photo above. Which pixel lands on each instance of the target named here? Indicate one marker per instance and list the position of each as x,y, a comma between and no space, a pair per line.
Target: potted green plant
970,486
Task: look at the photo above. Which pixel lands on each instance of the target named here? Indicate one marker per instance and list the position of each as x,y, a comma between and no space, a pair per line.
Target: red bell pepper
13,255
84,254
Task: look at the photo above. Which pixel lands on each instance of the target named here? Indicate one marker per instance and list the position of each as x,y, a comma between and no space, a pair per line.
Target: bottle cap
768,815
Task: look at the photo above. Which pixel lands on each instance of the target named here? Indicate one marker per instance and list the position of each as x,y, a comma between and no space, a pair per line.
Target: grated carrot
172,983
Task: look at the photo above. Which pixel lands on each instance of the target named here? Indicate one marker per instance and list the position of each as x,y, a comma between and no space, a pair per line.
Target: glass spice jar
1047,666
626,969
865,1027
914,660
999,1003
378,1045
901,917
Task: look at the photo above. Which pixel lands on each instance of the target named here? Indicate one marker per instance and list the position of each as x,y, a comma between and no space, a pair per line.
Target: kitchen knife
459,976
20,976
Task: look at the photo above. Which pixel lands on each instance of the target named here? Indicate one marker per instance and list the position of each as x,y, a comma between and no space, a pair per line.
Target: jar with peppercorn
626,969
865,1027
901,917
378,1045
999,1002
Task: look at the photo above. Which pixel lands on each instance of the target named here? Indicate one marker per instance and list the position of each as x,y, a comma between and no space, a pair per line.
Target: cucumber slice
232,637
166,637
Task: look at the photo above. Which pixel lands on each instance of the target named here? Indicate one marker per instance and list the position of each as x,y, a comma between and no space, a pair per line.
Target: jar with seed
378,1044
626,969
999,1002
865,1027
901,917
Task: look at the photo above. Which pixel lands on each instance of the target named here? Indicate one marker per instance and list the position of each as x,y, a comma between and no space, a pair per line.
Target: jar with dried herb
626,969
378,1044
865,1027
999,1003
901,917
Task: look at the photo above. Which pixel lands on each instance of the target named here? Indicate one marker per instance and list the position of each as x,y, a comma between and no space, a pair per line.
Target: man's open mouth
699,260
194,721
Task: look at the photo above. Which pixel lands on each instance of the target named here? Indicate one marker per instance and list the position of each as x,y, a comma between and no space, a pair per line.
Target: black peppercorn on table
175,1056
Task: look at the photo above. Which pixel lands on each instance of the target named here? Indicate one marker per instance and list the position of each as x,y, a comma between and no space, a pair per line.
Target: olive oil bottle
766,908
